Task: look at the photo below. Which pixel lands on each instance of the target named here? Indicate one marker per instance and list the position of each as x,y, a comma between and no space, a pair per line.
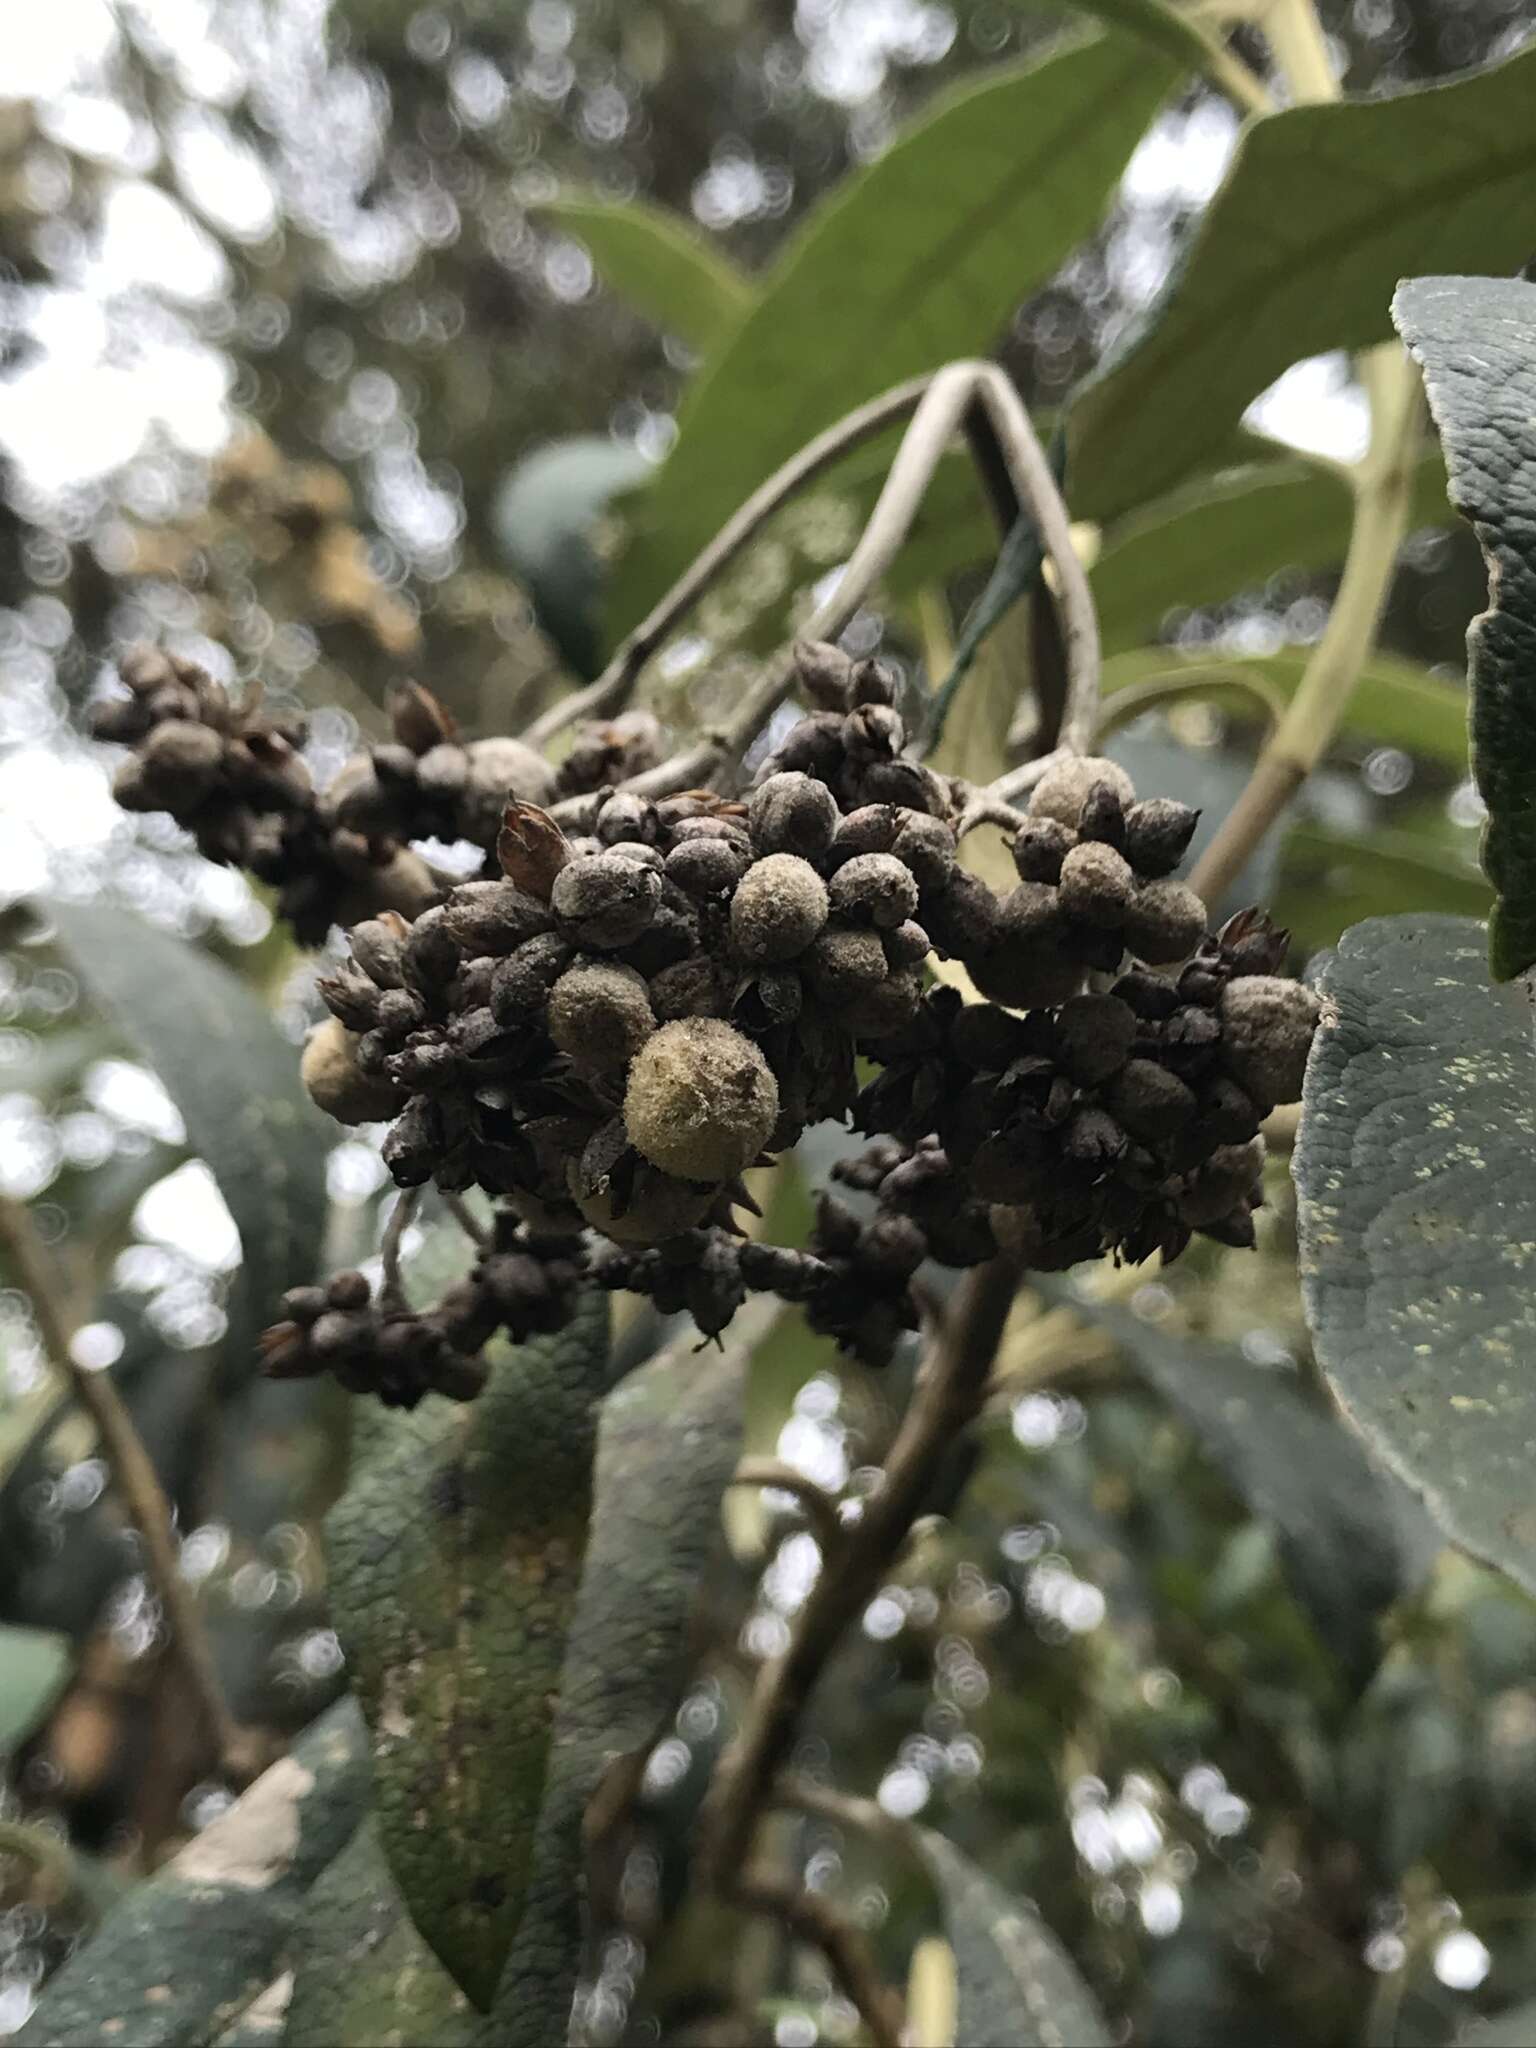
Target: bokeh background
285,344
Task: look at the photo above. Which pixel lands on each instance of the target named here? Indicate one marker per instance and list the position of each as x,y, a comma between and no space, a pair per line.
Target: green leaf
667,1446
1418,1221
1476,340
1018,1986
1331,880
361,1973
1230,534
1373,190
235,1080
545,516
661,263
1394,703
34,1665
193,1946
1340,1523
453,1561
915,260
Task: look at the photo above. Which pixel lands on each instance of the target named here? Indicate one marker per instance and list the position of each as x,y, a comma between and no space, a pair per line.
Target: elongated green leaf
1340,1523
1372,190
1331,880
1018,1986
1216,539
915,260
546,514
661,263
1417,1182
235,1080
34,1663
454,1559
1394,703
187,1951
667,1446
1476,340
361,1973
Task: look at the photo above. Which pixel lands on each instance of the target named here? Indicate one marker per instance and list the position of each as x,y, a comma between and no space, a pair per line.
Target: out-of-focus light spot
666,1766
795,2030
1465,807
1036,1421
1461,1961
1161,1908
48,48
353,1172
1385,1953
204,1550
1138,1838
904,1792
1387,771
1226,1815
96,1346
884,1617
1317,406
1094,1839
187,1212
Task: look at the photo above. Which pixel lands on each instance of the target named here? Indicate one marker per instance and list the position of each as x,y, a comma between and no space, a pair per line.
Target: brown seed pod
604,900
1164,922
600,1015
1096,884
905,946
1267,1025
701,1100
521,984
1094,1036
1150,1102
842,967
823,671
338,1085
964,918
792,813
874,888
1157,835
779,906
494,918
1040,846
688,988
707,866
1025,976
497,770
1232,1176
1063,790
885,1009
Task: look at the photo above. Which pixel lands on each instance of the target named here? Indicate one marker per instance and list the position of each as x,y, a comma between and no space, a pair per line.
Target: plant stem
950,1388
133,1474
819,1506
1383,488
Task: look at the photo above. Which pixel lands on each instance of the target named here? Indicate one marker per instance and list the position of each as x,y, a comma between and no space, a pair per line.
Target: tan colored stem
134,1475
820,1508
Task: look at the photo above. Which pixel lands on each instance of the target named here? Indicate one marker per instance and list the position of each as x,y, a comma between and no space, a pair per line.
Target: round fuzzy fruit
338,1085
779,906
701,1100
1063,790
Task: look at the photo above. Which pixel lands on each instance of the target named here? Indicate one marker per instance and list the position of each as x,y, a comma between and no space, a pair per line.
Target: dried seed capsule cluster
427,783
236,781
1119,1121
523,1282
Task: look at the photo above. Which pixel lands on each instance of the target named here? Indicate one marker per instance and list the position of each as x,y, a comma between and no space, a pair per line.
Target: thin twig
134,1475
950,1387
947,399
465,1218
845,1809
816,1920
613,688
392,1288
820,1508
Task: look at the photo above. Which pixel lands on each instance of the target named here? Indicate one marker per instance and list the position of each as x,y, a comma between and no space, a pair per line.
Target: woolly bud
493,918
1230,1178
1102,818
1164,922
793,813
442,772
1025,976
604,900
1063,790
1039,848
779,906
964,918
430,954
707,866
814,746
823,673
1094,1035
1096,884
701,1100
376,947
927,846
872,681
874,888
350,996
600,1015
884,1010
870,829
1266,1034
1157,835
874,732
337,1084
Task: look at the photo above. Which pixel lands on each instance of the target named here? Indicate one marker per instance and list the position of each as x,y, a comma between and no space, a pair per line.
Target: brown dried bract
418,720
531,848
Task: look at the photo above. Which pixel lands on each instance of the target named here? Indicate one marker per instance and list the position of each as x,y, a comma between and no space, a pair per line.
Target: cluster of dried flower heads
612,1024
